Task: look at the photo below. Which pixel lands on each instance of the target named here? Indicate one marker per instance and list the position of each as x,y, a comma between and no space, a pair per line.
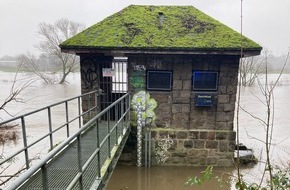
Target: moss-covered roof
159,27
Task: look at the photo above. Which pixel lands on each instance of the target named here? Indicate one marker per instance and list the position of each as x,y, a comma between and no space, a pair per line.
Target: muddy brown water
167,178
252,132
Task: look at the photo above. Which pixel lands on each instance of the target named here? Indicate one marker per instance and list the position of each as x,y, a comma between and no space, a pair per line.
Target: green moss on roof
151,27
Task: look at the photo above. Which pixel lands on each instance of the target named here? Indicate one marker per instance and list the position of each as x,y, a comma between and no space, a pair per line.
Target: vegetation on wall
160,27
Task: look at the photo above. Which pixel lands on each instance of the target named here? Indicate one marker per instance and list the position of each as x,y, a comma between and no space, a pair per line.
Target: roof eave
247,52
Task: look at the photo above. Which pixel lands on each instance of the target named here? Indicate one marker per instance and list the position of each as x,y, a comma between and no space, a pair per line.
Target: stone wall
196,147
202,135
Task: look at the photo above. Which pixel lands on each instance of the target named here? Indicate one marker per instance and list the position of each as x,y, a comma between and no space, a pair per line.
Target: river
38,95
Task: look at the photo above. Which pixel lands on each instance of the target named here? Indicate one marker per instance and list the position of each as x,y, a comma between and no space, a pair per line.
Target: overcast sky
264,21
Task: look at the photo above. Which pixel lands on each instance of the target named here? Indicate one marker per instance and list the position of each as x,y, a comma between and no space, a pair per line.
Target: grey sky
264,21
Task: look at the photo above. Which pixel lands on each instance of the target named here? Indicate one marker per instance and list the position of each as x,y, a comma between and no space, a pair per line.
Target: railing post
116,120
96,102
89,106
122,114
128,107
79,149
44,177
50,128
98,146
79,110
67,118
109,130
25,142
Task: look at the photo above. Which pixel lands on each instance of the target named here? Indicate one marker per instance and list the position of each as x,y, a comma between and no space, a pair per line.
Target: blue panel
205,80
204,100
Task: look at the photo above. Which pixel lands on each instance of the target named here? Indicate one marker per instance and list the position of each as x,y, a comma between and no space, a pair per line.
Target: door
113,84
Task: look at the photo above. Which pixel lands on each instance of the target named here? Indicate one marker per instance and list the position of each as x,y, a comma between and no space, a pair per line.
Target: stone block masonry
196,147
201,135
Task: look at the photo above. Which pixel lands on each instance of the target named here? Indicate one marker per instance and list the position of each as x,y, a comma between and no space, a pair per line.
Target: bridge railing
19,158
104,137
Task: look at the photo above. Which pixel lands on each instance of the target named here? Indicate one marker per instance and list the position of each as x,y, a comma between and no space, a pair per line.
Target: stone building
187,61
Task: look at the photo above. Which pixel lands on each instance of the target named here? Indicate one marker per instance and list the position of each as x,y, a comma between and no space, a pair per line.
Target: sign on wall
203,100
109,72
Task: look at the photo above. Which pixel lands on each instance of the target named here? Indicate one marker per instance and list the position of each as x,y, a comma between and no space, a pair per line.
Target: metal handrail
44,108
26,146
41,165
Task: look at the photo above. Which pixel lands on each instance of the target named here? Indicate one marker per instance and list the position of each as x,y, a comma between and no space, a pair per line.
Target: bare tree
29,62
51,36
250,69
17,87
267,90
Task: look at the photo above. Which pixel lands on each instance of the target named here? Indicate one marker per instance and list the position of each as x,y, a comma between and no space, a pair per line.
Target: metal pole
79,109
145,148
44,177
122,114
89,106
79,149
67,119
50,128
25,142
109,130
96,103
98,146
116,121
149,149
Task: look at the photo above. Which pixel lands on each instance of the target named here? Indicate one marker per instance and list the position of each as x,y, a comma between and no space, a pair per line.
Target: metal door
113,83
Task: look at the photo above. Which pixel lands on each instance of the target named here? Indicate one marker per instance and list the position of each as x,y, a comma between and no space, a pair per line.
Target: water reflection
169,178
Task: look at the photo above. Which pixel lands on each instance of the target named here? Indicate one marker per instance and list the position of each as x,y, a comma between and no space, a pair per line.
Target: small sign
109,72
205,100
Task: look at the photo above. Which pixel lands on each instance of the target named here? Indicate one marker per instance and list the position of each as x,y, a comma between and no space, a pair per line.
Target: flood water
169,178
39,95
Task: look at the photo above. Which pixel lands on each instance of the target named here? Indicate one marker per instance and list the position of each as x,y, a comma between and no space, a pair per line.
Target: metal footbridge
86,157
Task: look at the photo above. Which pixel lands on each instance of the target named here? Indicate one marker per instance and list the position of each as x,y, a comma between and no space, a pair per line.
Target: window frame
170,72
194,72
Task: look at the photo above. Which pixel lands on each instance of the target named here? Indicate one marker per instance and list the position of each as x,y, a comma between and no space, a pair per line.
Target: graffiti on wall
147,107
163,145
137,77
89,77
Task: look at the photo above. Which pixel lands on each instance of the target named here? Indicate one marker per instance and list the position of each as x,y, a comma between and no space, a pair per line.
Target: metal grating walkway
86,159
62,169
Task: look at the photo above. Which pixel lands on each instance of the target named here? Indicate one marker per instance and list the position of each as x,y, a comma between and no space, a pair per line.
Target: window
119,80
159,80
204,80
